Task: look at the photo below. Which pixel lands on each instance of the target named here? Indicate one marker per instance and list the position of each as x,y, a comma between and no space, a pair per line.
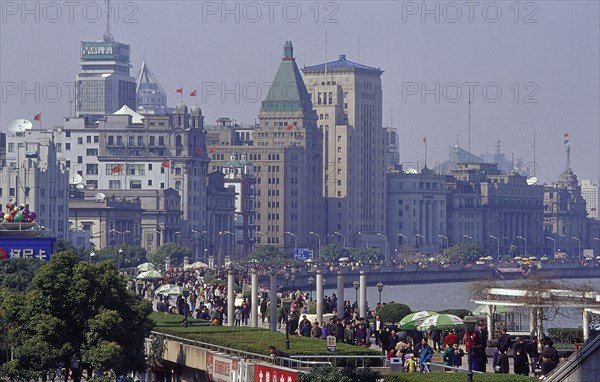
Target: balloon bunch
17,214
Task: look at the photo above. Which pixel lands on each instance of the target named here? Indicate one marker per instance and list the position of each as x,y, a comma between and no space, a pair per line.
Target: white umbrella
149,275
163,289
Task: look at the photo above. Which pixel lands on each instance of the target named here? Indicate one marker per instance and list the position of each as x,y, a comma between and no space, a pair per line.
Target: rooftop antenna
469,138
325,57
534,166
107,36
358,42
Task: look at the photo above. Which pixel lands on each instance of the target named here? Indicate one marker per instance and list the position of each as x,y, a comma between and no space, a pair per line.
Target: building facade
347,98
286,156
34,174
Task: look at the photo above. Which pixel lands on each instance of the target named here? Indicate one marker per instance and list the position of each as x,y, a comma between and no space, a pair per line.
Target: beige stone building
287,162
348,100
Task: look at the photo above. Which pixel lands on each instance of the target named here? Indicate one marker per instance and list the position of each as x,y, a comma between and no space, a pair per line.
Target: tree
464,252
268,255
333,252
173,251
366,255
393,312
129,255
74,310
17,274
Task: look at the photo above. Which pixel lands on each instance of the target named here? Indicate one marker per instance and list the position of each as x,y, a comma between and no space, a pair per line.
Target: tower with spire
151,97
104,84
565,215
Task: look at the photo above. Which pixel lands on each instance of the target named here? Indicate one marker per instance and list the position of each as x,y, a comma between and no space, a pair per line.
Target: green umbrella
440,321
412,320
174,291
149,275
145,267
163,289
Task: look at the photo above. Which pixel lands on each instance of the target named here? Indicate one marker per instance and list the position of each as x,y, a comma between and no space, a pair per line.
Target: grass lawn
255,340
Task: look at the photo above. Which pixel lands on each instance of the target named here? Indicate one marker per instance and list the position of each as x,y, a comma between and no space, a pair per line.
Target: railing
294,363
359,361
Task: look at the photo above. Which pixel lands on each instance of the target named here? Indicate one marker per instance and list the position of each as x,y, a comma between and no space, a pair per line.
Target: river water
453,295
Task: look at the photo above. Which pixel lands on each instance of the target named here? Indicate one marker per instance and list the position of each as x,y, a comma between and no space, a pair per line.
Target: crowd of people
414,348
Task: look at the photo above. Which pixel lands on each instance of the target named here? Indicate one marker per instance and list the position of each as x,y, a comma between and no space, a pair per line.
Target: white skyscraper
589,191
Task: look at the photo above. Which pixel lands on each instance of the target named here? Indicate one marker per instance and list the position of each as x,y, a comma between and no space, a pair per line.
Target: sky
530,68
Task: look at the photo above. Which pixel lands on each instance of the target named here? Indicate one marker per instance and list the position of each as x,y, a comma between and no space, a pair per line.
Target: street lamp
468,237
196,233
343,237
417,236
385,255
120,233
470,322
554,246
524,245
311,282
118,258
319,248
380,289
295,240
356,285
445,239
579,246
367,236
498,245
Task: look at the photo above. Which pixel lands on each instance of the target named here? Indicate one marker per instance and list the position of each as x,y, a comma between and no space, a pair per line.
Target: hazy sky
532,66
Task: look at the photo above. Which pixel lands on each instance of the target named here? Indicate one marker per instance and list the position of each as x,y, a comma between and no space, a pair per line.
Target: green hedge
566,335
245,338
393,312
455,377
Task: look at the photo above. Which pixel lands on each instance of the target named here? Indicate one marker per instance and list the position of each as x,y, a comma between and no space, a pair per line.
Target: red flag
116,169
193,94
212,150
566,135
290,126
38,117
593,209
197,151
180,91
165,164
425,140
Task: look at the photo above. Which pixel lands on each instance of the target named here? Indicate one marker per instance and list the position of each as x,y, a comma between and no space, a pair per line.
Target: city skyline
550,50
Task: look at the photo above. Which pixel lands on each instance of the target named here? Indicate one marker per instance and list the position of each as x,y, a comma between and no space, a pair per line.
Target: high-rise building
589,192
286,156
104,84
151,97
347,97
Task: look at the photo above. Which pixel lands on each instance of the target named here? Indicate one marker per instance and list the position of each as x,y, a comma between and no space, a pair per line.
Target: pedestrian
547,365
425,355
448,356
521,359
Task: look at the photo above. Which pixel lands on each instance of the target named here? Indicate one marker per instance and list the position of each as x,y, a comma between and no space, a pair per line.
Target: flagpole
425,141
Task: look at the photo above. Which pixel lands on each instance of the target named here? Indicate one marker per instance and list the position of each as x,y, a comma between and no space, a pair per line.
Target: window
152,140
80,140
149,166
79,159
88,139
178,184
11,147
114,184
96,139
111,140
68,146
91,169
91,152
135,184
